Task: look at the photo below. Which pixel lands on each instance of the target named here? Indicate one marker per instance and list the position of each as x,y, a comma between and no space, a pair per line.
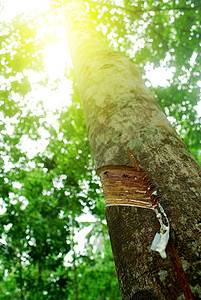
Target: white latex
160,242
161,239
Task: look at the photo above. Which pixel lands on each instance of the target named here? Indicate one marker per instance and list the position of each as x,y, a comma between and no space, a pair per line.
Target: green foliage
93,273
45,189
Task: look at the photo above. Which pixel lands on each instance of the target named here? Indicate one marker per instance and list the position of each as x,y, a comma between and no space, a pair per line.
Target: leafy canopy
47,176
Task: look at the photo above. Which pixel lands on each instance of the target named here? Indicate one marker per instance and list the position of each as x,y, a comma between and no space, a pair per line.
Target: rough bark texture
120,114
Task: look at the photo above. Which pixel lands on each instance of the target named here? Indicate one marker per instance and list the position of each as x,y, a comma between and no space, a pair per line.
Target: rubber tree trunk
121,113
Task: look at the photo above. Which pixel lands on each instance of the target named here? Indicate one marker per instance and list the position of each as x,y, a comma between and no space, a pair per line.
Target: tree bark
121,113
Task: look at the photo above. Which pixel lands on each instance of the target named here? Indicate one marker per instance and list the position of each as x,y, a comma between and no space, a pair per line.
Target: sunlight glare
119,2
56,59
159,76
56,56
15,7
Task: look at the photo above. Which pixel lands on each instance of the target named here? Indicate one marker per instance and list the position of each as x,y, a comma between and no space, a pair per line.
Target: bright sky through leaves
56,58
56,54
15,7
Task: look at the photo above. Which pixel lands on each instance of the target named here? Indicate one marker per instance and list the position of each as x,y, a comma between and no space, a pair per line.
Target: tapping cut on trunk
130,186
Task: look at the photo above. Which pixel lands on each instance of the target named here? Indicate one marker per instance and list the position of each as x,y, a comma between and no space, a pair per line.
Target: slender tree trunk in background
39,270
120,114
74,258
20,275
75,271
75,277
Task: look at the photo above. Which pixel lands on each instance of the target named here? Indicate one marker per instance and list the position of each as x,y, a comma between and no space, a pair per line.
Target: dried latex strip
130,186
